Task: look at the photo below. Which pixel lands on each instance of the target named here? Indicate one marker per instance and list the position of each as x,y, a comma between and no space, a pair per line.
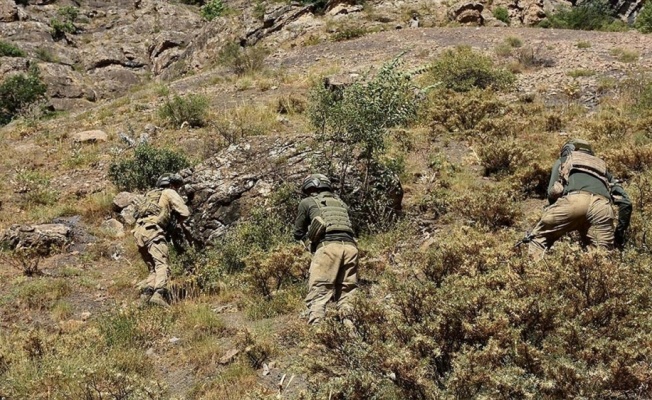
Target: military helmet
316,181
169,179
576,145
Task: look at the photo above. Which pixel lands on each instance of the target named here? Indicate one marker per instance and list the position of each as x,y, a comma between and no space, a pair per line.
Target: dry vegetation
448,309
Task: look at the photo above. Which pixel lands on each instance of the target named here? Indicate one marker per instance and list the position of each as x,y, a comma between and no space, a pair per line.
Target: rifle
526,239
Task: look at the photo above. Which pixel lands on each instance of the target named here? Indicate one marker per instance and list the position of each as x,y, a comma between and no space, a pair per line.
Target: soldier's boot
159,299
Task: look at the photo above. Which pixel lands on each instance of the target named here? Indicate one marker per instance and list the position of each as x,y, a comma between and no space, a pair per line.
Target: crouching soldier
154,213
323,218
580,197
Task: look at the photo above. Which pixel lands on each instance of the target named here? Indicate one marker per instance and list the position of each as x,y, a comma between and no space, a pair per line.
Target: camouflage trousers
589,214
333,275
155,255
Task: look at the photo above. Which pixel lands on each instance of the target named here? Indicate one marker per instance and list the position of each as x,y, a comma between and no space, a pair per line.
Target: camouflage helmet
316,182
169,179
576,145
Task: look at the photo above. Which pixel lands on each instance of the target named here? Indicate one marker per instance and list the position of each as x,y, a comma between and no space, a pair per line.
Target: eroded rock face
43,238
467,13
227,186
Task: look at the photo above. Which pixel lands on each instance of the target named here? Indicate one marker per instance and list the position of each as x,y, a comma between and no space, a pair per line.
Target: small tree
19,91
143,169
352,125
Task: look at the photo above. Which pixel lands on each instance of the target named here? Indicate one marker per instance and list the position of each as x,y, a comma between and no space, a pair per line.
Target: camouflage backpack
147,205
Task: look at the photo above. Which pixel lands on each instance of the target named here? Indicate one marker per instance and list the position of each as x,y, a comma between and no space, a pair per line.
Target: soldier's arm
554,177
177,205
302,221
624,204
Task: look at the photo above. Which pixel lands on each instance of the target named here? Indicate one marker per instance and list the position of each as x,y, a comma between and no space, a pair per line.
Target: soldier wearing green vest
154,213
323,218
581,193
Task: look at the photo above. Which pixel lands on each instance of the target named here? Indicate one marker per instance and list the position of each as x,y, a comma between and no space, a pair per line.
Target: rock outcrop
225,187
43,238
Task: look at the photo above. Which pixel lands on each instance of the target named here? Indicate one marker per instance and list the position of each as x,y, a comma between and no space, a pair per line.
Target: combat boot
159,299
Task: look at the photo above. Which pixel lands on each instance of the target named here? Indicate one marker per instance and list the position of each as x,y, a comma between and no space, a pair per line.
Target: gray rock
113,228
223,185
123,200
93,136
43,238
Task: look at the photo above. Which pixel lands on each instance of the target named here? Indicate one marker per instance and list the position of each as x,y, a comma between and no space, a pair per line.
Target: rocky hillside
112,46
448,308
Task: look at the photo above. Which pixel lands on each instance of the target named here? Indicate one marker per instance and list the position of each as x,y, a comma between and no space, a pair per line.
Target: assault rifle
526,239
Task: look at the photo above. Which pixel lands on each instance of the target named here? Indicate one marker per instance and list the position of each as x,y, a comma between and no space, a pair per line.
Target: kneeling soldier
324,219
580,195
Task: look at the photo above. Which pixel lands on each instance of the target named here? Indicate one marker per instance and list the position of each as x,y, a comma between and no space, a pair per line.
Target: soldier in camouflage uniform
154,214
581,193
334,266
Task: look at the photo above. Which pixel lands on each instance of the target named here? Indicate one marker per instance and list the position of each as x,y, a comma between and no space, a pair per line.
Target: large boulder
227,186
43,238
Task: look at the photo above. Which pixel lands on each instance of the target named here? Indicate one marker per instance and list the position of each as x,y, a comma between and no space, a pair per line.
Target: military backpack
147,205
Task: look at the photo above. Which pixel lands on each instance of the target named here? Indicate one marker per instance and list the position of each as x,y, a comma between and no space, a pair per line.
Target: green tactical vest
334,212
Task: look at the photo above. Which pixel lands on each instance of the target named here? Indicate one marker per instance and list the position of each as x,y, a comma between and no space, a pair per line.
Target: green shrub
625,55
9,50
65,23
348,33
45,54
243,60
583,44
262,231
644,20
19,91
589,16
462,69
513,41
212,9
143,169
501,14
191,109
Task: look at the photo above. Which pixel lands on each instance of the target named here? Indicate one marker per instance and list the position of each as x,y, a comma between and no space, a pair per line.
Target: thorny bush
479,320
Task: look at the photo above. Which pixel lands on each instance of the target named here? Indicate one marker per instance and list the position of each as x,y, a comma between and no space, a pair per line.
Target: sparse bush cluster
18,92
212,9
588,16
141,171
9,50
243,60
65,23
463,69
644,20
191,110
